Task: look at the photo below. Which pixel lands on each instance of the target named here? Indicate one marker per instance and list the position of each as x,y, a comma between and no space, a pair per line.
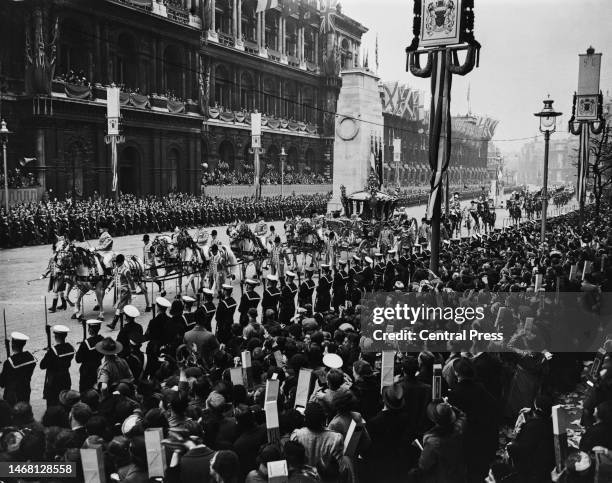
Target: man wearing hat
306,288
287,299
113,368
271,294
205,313
122,279
323,299
190,317
134,357
57,361
17,371
201,341
250,299
225,314
129,327
88,356
155,332
339,285
355,272
261,229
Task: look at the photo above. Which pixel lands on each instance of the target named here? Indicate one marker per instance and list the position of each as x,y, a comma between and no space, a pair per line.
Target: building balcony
172,10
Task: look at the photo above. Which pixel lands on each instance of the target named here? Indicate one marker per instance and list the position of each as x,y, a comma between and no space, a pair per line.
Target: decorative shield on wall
441,23
586,108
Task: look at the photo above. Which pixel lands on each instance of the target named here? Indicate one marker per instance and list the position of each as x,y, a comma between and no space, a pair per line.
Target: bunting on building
402,101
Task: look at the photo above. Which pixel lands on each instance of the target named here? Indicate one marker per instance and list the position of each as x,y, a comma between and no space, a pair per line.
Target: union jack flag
328,12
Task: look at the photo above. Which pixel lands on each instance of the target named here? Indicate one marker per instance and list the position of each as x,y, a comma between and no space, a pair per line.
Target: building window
127,66
173,71
249,21
222,87
246,92
223,17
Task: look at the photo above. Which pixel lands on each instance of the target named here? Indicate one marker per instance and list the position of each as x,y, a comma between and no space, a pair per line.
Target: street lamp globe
548,117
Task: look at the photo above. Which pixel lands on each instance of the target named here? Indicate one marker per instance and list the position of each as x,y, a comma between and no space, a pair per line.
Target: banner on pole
588,73
113,110
256,124
440,22
397,150
587,107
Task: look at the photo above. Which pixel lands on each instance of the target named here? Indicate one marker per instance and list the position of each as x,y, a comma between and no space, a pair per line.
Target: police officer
287,298
225,315
57,363
339,285
17,371
129,327
323,299
250,299
271,295
88,356
307,288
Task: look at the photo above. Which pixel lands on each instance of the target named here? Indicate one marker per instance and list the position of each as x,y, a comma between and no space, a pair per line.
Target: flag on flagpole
328,12
263,5
25,161
376,53
372,155
379,164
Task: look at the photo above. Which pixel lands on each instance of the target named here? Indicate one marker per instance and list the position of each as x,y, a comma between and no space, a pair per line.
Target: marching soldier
287,299
307,288
57,363
250,299
323,300
105,242
379,270
225,315
271,295
17,371
122,279
130,327
88,356
339,285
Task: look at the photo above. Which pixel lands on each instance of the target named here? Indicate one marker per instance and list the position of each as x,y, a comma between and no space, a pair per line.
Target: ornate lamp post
587,115
4,134
283,158
441,29
548,123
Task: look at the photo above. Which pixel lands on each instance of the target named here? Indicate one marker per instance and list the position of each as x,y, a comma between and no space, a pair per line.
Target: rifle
7,344
47,328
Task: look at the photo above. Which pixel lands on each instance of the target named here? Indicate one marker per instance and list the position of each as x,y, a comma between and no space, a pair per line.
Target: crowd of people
296,378
40,223
272,176
20,178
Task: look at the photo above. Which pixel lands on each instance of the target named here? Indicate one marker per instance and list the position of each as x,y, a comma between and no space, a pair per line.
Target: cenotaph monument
359,118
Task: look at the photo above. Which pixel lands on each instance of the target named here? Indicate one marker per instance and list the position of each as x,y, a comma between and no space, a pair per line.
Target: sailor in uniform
129,327
17,371
206,312
250,299
389,276
287,299
190,316
367,275
57,364
339,285
155,333
323,299
225,315
307,288
379,270
88,356
271,295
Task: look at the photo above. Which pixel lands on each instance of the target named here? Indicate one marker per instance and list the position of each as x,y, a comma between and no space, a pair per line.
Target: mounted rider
261,229
105,242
